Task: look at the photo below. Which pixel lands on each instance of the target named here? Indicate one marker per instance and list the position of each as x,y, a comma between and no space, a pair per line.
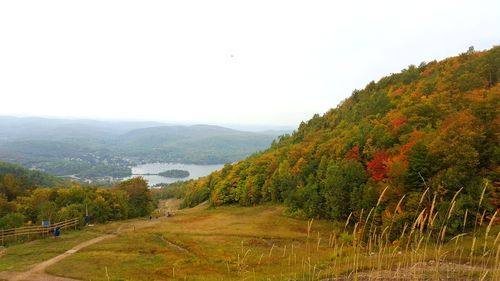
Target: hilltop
431,128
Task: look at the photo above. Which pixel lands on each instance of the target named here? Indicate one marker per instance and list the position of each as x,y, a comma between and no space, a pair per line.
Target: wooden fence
33,231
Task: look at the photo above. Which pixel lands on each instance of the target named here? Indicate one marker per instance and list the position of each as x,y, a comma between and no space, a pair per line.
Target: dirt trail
173,245
37,272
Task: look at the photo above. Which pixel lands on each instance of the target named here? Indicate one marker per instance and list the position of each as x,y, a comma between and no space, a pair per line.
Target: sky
272,63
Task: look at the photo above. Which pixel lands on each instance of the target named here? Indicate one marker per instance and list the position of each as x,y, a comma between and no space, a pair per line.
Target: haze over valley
104,151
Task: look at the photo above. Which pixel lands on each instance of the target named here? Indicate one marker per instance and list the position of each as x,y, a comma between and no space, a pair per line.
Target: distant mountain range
36,128
89,148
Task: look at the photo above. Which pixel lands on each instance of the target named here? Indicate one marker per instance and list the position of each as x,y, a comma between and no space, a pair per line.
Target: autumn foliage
434,126
378,166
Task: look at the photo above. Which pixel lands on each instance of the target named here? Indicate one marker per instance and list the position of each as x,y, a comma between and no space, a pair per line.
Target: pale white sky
219,62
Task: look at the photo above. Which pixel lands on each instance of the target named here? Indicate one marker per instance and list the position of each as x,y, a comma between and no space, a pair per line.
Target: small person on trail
57,232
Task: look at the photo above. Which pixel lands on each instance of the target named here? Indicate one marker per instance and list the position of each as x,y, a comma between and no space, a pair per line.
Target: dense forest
424,135
29,197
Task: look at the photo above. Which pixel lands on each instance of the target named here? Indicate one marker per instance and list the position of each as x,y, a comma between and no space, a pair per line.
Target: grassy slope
234,243
20,257
208,242
23,256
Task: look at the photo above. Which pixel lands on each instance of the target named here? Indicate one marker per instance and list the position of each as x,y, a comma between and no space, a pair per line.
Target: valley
102,152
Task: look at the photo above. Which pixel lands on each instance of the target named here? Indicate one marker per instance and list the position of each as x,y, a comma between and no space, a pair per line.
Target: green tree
10,185
342,178
6,206
419,168
139,197
12,220
281,182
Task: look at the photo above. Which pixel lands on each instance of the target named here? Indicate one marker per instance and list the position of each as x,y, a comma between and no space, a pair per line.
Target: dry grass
261,243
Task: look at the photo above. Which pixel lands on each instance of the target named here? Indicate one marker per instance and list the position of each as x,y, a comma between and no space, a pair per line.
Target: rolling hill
91,149
199,144
16,180
432,128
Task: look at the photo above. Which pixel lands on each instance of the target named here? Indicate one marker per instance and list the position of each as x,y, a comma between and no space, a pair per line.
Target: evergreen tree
342,178
419,169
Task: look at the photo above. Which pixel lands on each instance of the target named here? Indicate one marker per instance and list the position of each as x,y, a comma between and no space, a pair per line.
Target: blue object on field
45,223
57,232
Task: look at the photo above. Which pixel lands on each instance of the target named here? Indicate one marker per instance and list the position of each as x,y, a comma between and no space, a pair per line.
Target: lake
195,171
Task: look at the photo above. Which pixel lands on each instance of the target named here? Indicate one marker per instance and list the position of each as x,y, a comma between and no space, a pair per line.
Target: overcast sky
268,62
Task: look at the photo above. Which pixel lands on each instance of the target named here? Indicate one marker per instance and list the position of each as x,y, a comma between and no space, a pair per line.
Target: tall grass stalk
370,246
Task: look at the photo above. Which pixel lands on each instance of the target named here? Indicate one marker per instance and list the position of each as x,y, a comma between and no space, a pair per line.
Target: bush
12,220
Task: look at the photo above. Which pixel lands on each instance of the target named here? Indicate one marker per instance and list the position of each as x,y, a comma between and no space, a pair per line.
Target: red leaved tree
377,167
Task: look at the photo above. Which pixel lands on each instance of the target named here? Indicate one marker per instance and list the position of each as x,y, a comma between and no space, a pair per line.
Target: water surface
195,171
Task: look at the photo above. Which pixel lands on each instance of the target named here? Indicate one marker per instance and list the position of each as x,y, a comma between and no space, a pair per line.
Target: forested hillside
433,126
198,144
16,180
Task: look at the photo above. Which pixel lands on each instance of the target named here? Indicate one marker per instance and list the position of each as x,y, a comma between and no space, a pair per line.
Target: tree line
30,197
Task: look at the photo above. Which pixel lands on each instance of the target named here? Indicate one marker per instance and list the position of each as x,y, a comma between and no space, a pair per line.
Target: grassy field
254,243
197,244
261,243
20,257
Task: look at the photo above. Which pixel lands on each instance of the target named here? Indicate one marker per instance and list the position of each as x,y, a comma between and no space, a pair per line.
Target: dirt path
37,272
173,245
